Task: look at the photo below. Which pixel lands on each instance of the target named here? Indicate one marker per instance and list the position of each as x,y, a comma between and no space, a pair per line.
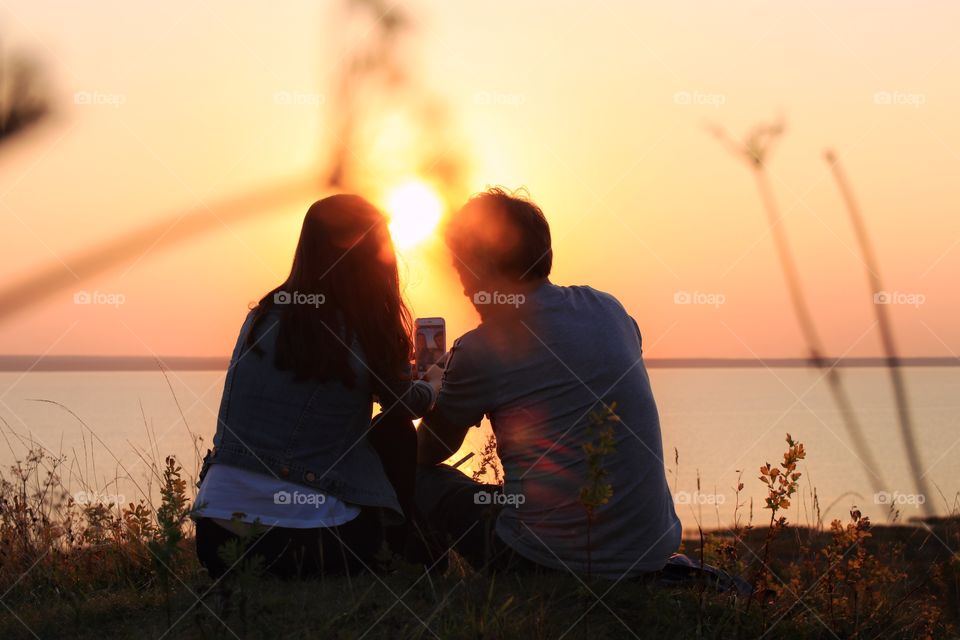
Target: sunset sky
600,109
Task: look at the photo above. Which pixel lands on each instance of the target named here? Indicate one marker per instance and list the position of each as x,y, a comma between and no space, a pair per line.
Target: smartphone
430,339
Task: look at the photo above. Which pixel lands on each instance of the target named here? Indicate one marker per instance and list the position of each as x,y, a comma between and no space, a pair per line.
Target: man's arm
467,393
436,443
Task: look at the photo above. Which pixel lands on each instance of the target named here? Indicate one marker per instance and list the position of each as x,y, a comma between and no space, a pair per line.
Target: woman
294,475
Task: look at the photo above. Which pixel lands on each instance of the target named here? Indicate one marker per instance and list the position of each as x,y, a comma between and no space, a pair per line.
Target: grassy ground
406,602
94,570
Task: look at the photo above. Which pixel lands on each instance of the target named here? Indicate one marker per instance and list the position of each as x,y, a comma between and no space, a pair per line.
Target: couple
301,476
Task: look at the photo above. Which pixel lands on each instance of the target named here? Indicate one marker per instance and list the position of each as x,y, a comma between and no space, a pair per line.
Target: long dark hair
343,285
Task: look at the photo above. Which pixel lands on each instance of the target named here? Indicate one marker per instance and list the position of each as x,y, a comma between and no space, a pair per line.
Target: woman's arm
410,398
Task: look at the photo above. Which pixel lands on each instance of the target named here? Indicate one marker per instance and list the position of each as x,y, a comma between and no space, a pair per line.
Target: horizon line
26,363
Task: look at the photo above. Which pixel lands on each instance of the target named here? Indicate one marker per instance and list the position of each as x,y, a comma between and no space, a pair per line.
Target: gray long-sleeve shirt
538,369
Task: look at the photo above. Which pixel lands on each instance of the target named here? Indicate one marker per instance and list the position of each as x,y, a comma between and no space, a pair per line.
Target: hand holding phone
431,343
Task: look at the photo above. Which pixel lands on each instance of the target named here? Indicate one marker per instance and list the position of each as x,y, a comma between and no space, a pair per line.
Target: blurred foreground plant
755,150
597,492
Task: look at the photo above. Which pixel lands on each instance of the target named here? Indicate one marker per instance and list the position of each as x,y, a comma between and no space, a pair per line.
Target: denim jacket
304,431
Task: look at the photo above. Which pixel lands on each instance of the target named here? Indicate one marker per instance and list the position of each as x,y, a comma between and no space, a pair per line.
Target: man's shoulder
470,355
474,342
586,293
484,346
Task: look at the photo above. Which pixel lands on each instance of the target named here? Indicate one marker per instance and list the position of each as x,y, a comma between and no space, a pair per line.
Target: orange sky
599,109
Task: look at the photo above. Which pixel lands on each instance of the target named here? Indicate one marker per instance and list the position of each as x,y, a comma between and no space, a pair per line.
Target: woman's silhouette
298,469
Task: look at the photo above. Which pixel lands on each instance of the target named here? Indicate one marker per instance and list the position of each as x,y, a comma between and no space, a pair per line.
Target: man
554,368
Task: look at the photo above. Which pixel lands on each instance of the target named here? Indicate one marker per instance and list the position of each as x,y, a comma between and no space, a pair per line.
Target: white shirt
227,492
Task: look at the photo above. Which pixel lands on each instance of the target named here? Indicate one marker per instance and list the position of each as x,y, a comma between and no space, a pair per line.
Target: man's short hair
497,233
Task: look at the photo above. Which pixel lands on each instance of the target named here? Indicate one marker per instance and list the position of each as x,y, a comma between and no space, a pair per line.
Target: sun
415,211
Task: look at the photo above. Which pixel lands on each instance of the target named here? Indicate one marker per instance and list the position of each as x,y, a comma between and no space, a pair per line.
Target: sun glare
415,211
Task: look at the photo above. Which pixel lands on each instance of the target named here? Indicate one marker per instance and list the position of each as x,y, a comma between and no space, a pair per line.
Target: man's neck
506,298
510,286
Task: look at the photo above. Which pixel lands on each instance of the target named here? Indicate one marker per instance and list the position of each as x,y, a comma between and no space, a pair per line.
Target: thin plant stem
809,330
755,151
885,327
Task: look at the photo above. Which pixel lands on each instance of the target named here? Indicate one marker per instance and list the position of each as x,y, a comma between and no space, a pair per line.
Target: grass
404,604
96,570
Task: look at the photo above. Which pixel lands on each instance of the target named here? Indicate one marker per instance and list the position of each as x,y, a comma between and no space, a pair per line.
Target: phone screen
431,342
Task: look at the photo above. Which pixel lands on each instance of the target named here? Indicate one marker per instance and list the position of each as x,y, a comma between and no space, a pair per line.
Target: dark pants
448,501
345,549
290,553
462,511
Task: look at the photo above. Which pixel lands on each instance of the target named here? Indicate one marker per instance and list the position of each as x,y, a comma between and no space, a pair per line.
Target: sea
110,431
